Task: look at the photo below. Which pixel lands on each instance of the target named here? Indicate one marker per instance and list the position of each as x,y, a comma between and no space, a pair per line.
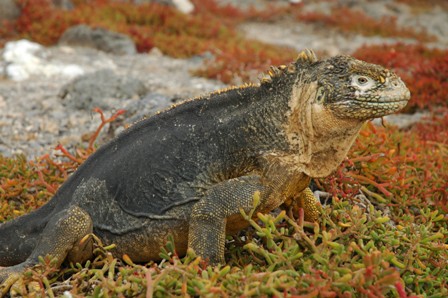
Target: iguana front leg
60,238
219,210
207,229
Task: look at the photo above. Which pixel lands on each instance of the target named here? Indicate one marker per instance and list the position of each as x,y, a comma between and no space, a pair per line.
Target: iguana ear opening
320,95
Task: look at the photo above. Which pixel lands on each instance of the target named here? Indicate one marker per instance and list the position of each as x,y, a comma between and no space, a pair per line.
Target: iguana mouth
379,102
387,96
369,102
368,107
388,106
364,109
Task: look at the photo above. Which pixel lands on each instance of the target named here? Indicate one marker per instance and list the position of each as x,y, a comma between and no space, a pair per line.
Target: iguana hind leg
60,238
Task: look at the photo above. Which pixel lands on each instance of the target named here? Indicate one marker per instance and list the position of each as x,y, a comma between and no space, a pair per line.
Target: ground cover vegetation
384,234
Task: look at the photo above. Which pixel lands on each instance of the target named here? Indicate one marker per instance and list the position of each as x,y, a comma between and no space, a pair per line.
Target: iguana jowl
188,170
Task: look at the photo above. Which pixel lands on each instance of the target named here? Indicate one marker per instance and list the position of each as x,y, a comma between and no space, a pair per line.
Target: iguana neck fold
317,138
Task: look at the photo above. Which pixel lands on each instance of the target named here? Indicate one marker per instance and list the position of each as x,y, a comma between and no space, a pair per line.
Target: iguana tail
18,237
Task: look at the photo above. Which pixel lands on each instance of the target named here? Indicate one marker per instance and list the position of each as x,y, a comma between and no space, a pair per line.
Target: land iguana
188,171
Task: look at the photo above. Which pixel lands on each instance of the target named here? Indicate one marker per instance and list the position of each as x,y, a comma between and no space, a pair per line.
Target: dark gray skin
189,170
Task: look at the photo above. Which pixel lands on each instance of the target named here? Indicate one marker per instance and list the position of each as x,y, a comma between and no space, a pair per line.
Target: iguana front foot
308,202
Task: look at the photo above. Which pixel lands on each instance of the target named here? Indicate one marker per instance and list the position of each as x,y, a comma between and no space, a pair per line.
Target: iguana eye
362,82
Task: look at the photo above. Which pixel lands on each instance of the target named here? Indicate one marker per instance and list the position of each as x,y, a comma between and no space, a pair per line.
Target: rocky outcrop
98,38
100,89
23,59
9,10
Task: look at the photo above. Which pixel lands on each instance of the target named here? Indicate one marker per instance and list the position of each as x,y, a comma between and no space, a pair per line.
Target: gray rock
9,10
103,89
98,38
147,106
23,59
64,4
403,121
257,4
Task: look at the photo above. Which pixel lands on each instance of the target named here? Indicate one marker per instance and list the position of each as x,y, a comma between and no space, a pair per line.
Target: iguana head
354,89
328,103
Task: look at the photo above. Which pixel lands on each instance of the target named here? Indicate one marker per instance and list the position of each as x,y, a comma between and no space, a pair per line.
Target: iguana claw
7,279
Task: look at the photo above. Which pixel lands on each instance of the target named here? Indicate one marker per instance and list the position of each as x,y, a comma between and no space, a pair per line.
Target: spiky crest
225,89
304,59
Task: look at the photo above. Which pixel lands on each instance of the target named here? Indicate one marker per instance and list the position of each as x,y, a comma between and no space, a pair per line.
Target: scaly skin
189,170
